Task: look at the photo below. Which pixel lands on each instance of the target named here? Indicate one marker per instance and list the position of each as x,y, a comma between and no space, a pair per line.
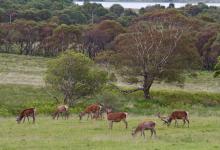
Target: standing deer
92,111
116,117
63,110
184,115
25,114
147,125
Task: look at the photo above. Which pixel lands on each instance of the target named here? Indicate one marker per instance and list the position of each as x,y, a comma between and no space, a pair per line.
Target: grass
22,86
46,134
20,69
13,98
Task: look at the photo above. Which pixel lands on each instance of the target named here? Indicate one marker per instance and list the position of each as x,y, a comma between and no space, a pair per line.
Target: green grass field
46,133
22,86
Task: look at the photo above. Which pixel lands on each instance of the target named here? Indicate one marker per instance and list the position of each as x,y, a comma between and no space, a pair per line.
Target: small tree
75,75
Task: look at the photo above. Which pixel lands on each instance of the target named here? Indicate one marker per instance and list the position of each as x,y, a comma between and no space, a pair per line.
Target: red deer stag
116,117
63,110
163,118
92,110
147,125
184,115
26,113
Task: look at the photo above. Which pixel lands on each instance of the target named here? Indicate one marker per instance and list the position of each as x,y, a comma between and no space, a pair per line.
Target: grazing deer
62,109
147,125
116,117
26,113
99,114
163,118
184,115
92,111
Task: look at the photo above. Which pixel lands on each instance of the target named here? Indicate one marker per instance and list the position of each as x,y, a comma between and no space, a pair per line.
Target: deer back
116,116
179,114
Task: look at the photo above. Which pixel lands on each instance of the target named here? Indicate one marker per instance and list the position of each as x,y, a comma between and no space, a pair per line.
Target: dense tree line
48,27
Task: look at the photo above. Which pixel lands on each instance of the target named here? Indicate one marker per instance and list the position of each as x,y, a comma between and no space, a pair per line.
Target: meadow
46,133
22,86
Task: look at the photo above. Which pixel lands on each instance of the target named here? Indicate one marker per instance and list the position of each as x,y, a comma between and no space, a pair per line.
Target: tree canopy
75,75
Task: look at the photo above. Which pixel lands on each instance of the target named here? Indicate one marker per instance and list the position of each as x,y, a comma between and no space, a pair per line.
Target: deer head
108,110
133,133
18,119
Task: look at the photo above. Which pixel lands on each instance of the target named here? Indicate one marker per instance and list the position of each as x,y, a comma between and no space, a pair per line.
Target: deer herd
95,111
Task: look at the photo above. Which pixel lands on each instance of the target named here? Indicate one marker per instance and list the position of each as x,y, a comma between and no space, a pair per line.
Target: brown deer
25,114
184,115
92,111
147,125
63,110
163,118
116,117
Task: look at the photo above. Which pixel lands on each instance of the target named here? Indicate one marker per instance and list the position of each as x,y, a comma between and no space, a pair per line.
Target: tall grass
13,98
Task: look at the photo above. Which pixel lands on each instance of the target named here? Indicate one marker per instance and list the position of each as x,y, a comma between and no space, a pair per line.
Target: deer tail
66,107
187,115
126,114
35,110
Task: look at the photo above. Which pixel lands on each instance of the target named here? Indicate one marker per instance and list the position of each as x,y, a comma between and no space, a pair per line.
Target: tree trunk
148,81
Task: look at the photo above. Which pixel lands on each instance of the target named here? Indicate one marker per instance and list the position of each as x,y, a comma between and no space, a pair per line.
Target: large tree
150,50
75,75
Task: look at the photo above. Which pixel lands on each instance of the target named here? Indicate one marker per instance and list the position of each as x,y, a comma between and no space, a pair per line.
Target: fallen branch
126,91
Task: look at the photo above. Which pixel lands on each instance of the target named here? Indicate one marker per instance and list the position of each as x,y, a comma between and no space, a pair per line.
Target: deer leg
176,123
24,119
143,133
58,115
61,114
28,118
187,121
184,122
152,132
126,123
91,116
33,118
88,116
110,124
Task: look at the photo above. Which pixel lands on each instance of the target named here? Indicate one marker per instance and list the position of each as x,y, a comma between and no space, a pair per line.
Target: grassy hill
29,70
22,70
22,85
